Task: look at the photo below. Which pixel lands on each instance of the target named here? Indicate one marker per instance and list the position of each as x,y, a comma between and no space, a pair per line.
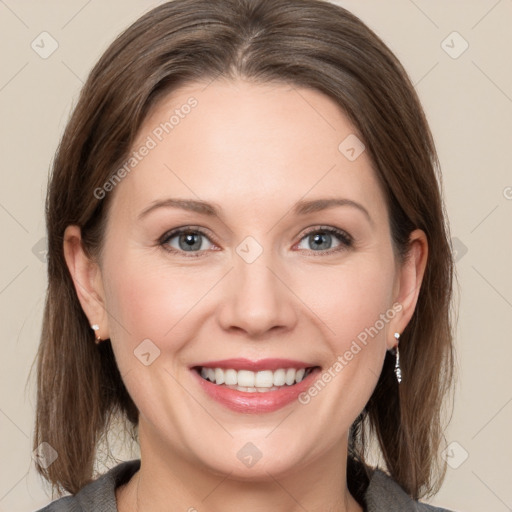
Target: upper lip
261,364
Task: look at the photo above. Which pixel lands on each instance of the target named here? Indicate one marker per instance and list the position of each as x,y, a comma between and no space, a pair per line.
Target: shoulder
99,494
384,494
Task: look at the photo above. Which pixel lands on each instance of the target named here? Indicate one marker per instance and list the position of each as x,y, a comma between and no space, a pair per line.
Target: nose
257,299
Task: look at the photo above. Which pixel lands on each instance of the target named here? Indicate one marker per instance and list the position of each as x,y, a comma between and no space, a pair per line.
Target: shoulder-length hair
308,43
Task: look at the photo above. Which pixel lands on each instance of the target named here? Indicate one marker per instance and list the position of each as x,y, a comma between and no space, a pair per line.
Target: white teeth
279,377
264,379
246,380
208,374
230,377
290,376
299,375
219,376
253,390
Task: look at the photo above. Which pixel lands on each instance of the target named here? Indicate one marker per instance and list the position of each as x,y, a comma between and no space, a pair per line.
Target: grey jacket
382,494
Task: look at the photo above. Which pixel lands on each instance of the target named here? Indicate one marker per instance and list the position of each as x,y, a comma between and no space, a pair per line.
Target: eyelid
329,229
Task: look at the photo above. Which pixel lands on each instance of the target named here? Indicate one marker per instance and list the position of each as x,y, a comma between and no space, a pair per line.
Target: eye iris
319,240
191,241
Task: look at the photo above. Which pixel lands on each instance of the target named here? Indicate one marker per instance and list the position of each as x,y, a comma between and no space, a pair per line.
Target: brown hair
309,43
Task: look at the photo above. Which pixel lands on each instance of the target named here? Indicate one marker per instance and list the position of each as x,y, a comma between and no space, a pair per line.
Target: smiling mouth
254,382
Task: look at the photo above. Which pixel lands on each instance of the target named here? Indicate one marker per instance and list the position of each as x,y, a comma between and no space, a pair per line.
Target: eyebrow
302,207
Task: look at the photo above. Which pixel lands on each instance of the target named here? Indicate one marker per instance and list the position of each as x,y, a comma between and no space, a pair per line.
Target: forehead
247,144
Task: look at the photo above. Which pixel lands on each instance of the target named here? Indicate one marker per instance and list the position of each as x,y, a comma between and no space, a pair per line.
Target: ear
87,279
408,283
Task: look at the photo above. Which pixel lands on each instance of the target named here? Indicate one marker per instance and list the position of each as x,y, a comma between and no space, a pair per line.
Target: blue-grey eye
323,239
187,240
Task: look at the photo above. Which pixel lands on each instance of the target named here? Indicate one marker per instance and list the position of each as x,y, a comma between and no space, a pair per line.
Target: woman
244,213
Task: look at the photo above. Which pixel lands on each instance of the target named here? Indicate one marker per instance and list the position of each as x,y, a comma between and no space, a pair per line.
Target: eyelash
343,237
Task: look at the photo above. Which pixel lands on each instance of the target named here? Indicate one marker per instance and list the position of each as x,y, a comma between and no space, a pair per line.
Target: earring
398,370
96,328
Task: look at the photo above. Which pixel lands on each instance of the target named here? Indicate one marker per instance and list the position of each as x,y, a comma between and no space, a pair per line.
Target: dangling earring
398,370
96,328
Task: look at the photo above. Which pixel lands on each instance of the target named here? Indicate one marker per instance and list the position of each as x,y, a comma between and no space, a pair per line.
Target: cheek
148,298
148,301
352,297
355,304
157,303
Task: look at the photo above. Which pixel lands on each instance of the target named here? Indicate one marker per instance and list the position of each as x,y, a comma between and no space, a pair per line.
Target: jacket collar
384,494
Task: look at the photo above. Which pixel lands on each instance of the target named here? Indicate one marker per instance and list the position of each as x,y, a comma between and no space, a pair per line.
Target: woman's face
286,255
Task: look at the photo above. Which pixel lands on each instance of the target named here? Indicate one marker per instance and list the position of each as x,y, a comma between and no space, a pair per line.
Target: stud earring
398,370
96,328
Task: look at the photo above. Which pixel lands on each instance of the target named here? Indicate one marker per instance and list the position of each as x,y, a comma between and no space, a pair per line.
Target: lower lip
256,402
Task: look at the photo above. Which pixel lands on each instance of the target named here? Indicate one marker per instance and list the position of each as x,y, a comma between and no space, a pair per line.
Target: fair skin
254,150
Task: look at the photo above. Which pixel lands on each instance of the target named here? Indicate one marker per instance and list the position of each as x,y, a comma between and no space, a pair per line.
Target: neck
168,479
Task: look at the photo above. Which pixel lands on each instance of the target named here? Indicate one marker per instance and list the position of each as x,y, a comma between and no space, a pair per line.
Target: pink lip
257,402
263,364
